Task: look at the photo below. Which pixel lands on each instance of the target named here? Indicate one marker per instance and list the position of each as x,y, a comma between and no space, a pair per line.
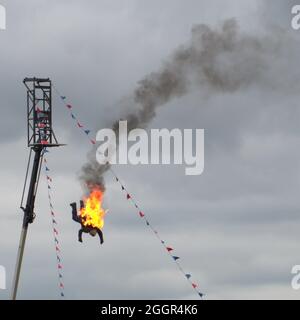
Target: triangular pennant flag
56,240
48,178
123,188
54,222
58,258
188,276
63,97
201,294
87,131
49,187
57,248
141,214
61,285
117,179
128,196
147,222
79,125
55,231
51,206
47,169
52,213
62,295
72,115
69,106
93,141
162,242
175,258
194,285
60,275
169,249
136,206
59,266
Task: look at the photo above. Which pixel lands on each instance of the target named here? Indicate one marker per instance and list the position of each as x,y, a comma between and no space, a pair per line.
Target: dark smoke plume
222,60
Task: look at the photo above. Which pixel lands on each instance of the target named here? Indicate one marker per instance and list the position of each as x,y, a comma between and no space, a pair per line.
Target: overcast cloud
236,227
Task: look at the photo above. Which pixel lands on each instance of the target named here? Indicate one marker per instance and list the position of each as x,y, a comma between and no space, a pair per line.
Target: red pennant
55,230
141,214
93,141
128,196
194,285
170,249
59,266
79,125
69,106
57,248
61,285
52,213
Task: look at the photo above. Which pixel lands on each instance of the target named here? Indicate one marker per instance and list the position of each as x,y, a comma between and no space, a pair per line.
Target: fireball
92,214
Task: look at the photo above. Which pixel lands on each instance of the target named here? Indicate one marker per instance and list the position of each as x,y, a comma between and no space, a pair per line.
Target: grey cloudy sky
236,226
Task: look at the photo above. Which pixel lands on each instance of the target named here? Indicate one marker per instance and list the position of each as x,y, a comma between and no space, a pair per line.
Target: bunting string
168,249
53,217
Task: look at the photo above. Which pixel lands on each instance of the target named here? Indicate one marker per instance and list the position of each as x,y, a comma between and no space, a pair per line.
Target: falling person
84,229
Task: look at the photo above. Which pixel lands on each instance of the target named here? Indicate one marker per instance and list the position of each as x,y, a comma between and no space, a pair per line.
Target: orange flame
92,214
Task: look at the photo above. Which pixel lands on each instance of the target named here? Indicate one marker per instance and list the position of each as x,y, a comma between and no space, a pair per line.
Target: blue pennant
175,258
87,131
188,276
63,97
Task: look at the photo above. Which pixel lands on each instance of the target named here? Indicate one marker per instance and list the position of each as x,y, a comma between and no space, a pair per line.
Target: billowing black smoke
214,60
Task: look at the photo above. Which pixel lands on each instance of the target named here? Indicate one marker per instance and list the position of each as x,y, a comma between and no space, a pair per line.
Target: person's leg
81,204
74,212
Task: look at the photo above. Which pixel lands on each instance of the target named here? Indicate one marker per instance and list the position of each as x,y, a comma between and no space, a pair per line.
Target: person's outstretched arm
100,233
80,235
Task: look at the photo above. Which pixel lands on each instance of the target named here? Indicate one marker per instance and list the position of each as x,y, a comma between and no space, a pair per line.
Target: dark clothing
84,229
87,230
75,216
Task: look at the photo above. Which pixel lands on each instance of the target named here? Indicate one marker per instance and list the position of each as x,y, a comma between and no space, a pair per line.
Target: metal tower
40,136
